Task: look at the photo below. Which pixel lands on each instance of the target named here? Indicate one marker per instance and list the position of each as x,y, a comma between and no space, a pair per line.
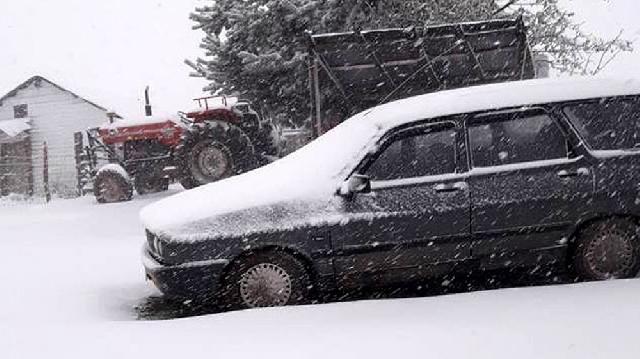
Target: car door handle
565,174
450,187
568,174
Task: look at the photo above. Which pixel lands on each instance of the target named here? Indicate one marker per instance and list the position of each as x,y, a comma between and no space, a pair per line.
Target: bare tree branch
504,7
602,63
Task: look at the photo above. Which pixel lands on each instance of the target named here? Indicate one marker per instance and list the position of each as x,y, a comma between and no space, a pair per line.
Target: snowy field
72,279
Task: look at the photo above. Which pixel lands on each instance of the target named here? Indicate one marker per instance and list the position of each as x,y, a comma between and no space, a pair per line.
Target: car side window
426,152
514,138
608,124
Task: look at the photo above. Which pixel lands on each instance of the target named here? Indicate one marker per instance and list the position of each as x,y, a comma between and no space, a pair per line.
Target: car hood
279,194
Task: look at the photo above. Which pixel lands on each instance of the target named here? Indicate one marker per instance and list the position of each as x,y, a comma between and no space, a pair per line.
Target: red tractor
218,140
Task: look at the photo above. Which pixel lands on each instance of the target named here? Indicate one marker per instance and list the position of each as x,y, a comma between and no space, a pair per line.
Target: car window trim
418,181
469,121
524,165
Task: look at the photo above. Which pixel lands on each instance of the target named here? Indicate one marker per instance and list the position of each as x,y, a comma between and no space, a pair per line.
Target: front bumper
188,280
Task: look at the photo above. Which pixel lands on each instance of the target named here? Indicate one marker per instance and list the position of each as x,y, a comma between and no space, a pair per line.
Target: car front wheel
266,279
607,249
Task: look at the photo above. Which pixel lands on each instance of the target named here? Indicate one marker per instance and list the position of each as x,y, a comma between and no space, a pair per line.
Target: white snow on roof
317,170
14,127
496,96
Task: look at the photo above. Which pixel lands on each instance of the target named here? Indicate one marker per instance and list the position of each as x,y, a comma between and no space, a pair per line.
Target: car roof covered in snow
497,96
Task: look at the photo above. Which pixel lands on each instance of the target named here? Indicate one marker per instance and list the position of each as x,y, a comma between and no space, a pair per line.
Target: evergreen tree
257,48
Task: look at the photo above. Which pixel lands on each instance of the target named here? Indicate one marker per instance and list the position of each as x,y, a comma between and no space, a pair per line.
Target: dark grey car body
494,202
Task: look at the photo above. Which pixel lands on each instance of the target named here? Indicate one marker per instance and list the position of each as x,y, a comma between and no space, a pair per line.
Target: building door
15,167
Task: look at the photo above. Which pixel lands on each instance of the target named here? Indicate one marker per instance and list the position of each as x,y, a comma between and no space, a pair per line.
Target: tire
244,285
150,184
606,249
212,151
111,186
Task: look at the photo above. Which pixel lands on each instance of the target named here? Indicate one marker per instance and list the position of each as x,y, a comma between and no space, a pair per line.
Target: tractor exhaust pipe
147,104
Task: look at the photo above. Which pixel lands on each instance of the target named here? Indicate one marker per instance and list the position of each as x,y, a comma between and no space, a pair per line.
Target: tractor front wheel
112,184
212,151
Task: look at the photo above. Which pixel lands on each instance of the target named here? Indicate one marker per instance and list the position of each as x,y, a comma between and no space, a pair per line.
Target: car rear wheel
607,249
266,279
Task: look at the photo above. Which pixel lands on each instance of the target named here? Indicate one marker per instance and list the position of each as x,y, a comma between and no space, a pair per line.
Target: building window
20,111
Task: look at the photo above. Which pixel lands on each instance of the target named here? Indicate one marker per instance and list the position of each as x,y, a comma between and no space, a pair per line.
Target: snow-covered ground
71,278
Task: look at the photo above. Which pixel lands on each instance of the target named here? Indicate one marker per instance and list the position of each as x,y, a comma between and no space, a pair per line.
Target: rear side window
416,155
514,138
608,124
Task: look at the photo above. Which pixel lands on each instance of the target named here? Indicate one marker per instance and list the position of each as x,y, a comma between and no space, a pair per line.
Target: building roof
13,130
38,79
14,127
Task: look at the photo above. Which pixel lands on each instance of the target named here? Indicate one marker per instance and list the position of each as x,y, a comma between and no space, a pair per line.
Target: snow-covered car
520,174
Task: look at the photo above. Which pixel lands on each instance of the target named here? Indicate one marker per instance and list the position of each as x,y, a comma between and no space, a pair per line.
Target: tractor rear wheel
212,151
110,185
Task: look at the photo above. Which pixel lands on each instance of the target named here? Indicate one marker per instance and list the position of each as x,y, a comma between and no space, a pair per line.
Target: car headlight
155,244
158,246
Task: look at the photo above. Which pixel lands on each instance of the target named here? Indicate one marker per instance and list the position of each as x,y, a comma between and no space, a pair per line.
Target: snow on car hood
295,183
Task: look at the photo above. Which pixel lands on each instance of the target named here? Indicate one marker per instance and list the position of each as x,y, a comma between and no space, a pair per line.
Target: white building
35,112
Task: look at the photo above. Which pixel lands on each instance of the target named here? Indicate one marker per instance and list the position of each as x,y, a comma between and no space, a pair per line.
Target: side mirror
355,184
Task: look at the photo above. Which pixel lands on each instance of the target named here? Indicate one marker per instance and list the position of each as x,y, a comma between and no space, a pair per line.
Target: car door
415,219
528,187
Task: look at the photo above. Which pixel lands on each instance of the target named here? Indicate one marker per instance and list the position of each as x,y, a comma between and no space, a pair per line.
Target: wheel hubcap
211,163
610,254
265,285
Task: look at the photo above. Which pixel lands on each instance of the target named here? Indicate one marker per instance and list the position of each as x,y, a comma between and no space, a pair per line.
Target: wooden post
317,100
45,173
77,149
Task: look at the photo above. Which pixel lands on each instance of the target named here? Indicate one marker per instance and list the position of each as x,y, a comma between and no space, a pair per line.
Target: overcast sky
108,51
